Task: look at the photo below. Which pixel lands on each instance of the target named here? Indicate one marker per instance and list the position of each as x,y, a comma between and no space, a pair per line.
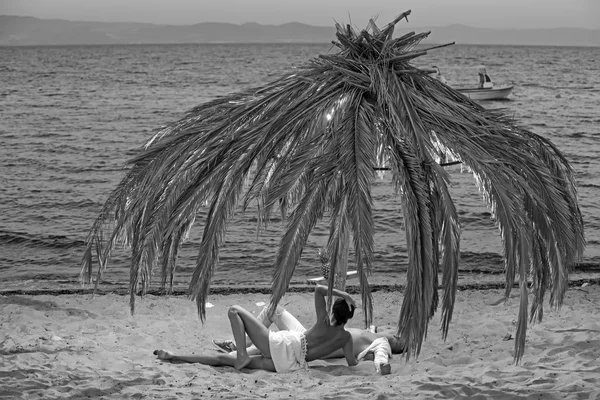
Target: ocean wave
135,72
37,241
589,185
54,205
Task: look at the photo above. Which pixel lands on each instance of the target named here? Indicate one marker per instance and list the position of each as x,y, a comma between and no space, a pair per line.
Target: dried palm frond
309,144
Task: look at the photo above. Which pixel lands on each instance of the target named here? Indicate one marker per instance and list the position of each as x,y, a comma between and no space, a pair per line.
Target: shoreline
467,281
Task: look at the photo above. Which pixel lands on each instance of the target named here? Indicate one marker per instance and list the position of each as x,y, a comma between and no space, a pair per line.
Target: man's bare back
322,337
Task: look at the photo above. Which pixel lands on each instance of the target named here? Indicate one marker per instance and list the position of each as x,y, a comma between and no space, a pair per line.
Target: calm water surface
71,116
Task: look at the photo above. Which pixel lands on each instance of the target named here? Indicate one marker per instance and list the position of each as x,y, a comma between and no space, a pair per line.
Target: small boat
487,89
499,92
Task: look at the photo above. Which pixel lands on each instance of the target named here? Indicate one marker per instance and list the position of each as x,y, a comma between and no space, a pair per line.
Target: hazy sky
479,13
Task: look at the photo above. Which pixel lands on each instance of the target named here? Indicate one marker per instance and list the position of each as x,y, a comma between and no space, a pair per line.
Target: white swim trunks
288,350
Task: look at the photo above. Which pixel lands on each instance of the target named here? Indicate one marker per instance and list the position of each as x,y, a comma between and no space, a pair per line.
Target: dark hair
342,312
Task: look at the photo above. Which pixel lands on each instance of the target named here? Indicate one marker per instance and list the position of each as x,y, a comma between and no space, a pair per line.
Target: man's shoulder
347,335
343,334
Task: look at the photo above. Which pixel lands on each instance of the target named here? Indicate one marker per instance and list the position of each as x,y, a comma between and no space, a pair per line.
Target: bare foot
241,361
163,355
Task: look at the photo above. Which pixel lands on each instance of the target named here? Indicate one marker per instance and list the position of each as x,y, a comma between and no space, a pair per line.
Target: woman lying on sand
366,344
285,350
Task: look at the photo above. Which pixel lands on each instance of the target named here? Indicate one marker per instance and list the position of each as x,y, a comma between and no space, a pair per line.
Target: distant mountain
462,34
29,31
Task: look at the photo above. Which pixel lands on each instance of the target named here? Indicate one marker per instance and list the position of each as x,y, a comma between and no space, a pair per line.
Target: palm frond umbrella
308,144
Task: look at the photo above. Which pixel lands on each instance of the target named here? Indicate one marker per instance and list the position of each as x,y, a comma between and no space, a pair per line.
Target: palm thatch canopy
308,145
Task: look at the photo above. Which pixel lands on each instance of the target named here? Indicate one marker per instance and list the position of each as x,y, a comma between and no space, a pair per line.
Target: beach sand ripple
76,346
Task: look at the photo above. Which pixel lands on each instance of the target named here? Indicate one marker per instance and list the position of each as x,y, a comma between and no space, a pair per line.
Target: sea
71,117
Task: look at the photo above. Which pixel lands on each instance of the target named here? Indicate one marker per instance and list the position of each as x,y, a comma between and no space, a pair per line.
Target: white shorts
288,350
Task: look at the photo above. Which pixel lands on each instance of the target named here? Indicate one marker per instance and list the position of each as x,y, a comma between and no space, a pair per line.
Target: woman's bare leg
242,323
213,359
282,319
264,319
216,360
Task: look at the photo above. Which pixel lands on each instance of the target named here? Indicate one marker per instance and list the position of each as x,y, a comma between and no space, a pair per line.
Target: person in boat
367,344
286,350
438,75
485,82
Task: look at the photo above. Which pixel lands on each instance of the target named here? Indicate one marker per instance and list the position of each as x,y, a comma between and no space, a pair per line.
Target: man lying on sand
286,350
366,344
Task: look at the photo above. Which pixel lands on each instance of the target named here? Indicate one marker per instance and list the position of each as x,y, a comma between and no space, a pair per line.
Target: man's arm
321,304
349,351
321,291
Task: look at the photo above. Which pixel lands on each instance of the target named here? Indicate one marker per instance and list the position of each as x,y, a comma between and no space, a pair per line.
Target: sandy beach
75,346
